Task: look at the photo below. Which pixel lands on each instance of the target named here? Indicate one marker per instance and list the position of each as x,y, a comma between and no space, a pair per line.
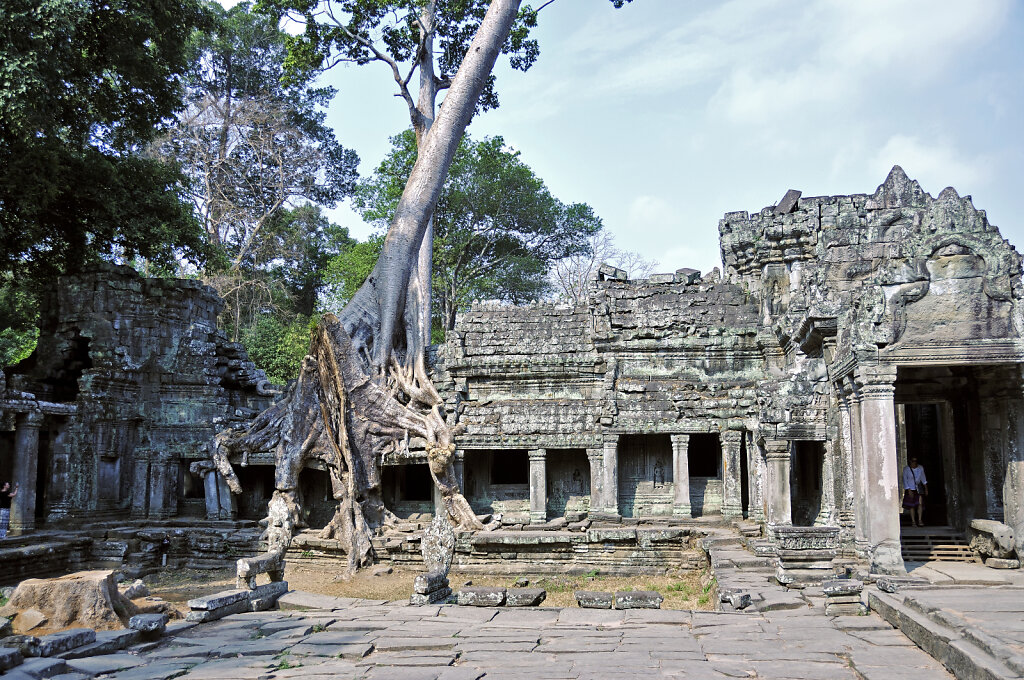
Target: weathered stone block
1000,563
481,597
150,625
525,597
638,599
591,599
55,643
9,658
439,595
858,609
219,600
842,587
429,582
266,596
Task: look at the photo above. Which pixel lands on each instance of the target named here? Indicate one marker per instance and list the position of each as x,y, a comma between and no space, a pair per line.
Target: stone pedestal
881,470
732,499
26,468
778,456
611,474
538,486
805,554
681,475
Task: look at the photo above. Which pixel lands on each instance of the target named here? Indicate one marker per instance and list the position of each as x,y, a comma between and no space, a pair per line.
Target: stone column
459,465
538,486
60,471
611,474
780,505
1013,480
163,490
597,491
212,494
755,481
732,489
26,468
881,471
827,513
140,486
681,475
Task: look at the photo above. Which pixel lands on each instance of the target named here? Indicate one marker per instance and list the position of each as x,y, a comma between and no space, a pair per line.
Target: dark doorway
744,476
806,482
316,497
704,458
498,480
408,489
258,482
923,429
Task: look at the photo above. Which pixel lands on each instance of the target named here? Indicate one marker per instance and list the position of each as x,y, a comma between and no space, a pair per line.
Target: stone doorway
919,428
645,475
568,482
806,483
704,458
498,481
316,498
258,482
408,489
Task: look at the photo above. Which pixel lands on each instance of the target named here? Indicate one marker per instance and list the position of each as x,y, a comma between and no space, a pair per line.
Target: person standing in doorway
915,488
6,496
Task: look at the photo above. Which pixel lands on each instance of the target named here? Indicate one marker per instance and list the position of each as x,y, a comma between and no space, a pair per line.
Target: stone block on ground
43,667
593,599
57,643
149,625
266,596
842,586
107,642
9,658
1001,563
429,582
438,545
479,596
638,599
218,600
85,598
136,590
852,609
525,597
738,599
842,599
27,645
439,595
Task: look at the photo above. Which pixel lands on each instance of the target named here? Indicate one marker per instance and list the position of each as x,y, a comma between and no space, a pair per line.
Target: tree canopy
497,227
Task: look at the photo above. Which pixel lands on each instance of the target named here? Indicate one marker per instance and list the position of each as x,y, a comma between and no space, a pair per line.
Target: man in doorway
915,488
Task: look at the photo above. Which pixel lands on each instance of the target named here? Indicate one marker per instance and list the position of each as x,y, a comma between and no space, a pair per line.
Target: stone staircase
968,652
928,544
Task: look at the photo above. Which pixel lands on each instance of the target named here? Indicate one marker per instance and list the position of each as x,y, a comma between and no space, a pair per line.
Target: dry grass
682,590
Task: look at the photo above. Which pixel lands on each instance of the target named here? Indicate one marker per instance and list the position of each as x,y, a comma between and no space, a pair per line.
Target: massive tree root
364,389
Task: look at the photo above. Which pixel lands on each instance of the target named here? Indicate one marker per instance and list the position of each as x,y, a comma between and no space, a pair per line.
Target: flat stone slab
299,600
594,599
481,597
842,587
525,597
105,663
638,599
56,643
218,600
965,573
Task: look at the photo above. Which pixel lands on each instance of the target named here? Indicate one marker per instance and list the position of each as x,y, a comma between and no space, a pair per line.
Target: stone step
949,646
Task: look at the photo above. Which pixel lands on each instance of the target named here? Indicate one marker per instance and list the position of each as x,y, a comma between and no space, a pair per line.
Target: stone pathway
350,639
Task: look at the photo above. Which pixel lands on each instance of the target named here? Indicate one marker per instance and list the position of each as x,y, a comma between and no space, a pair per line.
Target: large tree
364,387
497,227
84,86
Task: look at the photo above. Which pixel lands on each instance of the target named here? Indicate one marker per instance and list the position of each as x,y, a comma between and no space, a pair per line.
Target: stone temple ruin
786,393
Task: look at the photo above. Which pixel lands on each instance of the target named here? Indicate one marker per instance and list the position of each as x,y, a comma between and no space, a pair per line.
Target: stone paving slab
447,643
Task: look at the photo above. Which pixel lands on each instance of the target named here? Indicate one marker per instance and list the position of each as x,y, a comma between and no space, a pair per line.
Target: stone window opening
408,489
510,467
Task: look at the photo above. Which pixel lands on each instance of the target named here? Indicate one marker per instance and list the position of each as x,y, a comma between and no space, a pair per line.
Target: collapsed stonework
129,382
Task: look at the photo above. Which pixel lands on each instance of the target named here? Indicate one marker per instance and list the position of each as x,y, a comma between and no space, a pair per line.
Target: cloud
935,164
653,223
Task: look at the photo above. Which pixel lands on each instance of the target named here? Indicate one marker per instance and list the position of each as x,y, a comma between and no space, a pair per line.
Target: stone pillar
611,474
881,472
859,469
212,494
681,475
59,504
597,492
459,465
163,490
228,502
538,486
1013,480
780,504
26,468
732,498
140,486
827,514
756,473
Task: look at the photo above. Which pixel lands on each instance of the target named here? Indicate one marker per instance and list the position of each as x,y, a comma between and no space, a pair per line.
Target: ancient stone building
845,333
128,384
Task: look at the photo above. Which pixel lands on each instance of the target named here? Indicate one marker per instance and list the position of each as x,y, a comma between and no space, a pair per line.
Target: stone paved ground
465,643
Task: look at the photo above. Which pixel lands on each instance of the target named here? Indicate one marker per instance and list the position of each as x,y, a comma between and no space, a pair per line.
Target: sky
666,114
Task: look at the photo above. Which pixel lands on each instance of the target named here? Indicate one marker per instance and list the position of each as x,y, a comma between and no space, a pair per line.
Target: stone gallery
846,335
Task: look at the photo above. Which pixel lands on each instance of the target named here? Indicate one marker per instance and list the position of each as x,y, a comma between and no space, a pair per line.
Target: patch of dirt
682,590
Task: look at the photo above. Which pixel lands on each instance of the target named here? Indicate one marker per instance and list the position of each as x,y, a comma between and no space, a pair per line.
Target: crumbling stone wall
151,379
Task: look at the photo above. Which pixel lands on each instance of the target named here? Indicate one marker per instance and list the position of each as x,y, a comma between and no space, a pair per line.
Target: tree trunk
364,389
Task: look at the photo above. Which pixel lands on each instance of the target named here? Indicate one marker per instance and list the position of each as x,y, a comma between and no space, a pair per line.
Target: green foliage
347,271
497,227
278,346
18,317
76,104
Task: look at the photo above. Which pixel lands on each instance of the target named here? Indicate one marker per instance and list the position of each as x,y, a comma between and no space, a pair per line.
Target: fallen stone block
525,597
481,597
739,600
842,586
5,627
592,599
266,596
205,615
842,599
27,645
30,619
136,590
887,585
9,658
429,582
107,642
56,643
149,626
858,609
439,595
638,599
1001,563
219,600
43,667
